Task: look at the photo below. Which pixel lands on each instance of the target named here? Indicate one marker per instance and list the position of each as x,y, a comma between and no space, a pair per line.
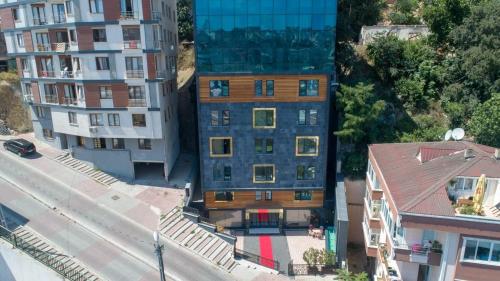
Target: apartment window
58,13
50,93
221,147
25,64
38,14
219,88
144,144
139,120
117,143
226,118
134,67
308,88
264,118
131,33
223,196
264,145
308,117
263,173
40,112
306,146
481,251
136,92
20,40
114,119
258,195
465,183
105,92
270,88
258,88
306,172
303,195
48,134
99,143
222,173
15,14
96,119
72,118
95,6
69,7
214,118
102,63
269,195
99,34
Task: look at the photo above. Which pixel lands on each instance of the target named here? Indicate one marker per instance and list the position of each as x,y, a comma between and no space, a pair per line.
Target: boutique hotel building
264,70
100,78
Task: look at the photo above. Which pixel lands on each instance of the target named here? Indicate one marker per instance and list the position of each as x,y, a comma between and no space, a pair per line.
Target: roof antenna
458,134
447,137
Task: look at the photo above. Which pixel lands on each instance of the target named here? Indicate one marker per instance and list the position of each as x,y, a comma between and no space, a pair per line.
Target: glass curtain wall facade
263,36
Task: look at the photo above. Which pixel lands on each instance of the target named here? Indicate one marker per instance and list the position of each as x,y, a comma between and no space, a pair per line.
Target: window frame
20,40
308,91
226,198
96,119
146,144
102,64
120,144
222,93
272,109
97,8
301,197
263,144
223,168
72,118
269,88
139,125
264,166
305,168
112,120
258,88
298,138
99,35
108,92
210,142
475,260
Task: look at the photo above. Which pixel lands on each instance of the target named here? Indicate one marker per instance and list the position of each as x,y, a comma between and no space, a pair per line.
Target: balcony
161,75
129,15
132,44
60,47
43,47
70,101
47,74
51,99
389,270
70,74
135,73
59,19
137,103
39,21
155,15
418,253
373,208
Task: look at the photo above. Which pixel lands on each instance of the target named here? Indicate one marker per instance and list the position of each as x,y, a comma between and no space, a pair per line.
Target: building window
25,65
214,118
221,147
303,195
48,134
41,112
131,33
264,118
72,36
308,88
72,118
481,251
258,195
80,142
144,144
99,35
105,92
95,6
222,173
465,183
69,7
139,120
306,172
306,146
15,14
219,88
269,195
263,173
258,88
96,119
264,145
136,96
308,117
99,143
270,88
223,196
118,143
20,40
226,118
134,67
102,63
38,15
114,119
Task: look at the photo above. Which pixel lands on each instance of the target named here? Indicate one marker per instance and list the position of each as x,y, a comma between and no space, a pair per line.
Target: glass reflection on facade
265,35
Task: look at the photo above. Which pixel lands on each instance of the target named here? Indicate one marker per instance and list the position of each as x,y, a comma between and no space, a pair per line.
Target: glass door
58,13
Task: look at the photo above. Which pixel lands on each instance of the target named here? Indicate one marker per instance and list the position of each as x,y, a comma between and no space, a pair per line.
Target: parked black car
20,147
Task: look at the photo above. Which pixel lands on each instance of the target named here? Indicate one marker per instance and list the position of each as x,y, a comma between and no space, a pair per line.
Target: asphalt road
96,223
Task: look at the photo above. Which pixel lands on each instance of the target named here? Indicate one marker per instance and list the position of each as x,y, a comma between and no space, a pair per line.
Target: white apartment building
100,78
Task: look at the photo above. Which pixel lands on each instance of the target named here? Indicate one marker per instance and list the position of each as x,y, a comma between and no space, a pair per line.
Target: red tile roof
419,186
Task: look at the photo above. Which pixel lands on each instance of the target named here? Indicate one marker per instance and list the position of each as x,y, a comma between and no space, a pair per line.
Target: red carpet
266,246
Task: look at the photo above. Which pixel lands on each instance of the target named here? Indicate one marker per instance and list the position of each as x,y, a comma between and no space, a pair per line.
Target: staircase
190,235
40,250
83,168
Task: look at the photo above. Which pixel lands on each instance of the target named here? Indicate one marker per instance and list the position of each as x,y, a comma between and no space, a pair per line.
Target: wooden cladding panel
146,9
35,91
242,88
111,9
120,95
84,37
28,41
280,199
7,18
92,95
150,58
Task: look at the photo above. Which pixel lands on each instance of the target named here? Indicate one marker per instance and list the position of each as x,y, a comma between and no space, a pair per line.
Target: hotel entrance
264,218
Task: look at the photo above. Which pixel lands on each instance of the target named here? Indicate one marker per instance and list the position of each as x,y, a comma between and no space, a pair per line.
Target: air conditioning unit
93,130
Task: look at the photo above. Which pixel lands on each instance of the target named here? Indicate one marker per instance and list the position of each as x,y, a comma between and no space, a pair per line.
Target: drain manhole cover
115,197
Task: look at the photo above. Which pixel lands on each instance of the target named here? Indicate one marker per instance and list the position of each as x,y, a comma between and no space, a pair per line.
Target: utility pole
159,254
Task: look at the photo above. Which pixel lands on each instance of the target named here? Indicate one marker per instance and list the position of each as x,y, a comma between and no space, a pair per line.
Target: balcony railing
28,98
161,74
129,15
70,74
132,44
39,21
70,101
51,99
155,15
60,19
157,44
419,253
26,73
60,47
43,47
135,73
46,74
137,103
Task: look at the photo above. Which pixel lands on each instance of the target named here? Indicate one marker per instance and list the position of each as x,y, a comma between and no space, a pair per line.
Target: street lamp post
159,254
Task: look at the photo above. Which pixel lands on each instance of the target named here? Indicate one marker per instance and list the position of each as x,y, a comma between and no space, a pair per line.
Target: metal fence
305,269
257,259
50,260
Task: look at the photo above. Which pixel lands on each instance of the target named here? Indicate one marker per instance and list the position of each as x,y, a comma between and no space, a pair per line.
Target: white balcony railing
129,15
59,18
137,103
155,15
135,73
132,44
47,74
28,98
70,101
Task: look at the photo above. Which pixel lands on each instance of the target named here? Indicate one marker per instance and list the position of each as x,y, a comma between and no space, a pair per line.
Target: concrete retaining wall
405,32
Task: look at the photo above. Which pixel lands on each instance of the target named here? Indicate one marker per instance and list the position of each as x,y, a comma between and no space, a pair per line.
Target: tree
443,15
387,54
429,128
404,12
185,20
353,14
485,122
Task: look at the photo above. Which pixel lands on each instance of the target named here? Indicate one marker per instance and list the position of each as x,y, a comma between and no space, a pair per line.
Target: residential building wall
136,47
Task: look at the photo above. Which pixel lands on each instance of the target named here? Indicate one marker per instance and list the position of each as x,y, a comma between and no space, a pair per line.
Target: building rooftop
418,175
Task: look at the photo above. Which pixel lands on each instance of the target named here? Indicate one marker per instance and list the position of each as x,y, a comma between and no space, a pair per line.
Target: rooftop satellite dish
447,137
458,134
